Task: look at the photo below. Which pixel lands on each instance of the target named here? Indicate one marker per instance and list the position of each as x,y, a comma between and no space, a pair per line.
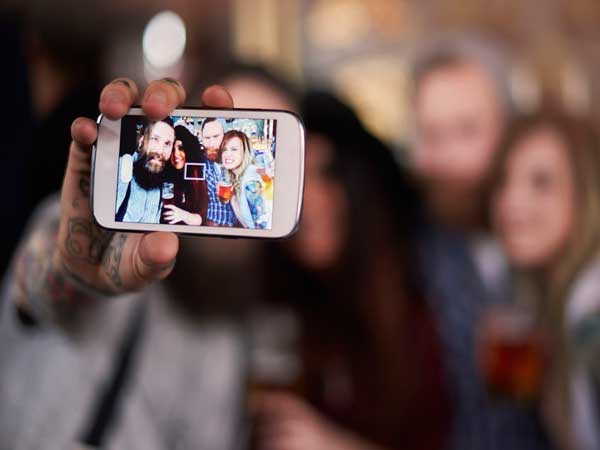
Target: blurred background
58,54
553,45
61,52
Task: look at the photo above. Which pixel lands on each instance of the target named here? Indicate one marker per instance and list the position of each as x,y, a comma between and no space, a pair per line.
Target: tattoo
83,284
112,259
122,81
86,241
43,291
84,184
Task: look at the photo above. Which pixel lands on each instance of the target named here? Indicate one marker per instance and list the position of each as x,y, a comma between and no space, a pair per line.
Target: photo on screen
196,171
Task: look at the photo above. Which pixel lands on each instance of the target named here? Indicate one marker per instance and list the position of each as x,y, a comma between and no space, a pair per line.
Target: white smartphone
222,172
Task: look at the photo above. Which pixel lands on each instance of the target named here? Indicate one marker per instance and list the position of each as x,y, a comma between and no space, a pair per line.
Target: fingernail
158,97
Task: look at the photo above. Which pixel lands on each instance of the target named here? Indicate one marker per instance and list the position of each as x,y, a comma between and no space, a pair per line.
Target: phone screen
217,172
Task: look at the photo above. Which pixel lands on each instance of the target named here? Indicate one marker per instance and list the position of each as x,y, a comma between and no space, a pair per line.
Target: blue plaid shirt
457,298
218,212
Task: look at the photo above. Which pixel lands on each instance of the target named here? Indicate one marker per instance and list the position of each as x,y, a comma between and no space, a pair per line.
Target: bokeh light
164,40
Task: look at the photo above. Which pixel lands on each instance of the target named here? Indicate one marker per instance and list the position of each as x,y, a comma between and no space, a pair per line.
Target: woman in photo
546,211
190,195
247,200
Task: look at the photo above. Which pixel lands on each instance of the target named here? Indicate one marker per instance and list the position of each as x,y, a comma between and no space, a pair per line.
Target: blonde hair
246,158
550,293
583,152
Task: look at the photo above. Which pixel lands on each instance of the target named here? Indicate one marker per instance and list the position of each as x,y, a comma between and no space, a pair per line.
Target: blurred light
575,87
382,103
338,24
525,88
164,40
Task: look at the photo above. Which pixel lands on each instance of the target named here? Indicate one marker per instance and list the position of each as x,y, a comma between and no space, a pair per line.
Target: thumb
154,257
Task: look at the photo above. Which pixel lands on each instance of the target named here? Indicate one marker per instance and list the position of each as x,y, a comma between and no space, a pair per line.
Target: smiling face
233,153
534,208
158,146
178,157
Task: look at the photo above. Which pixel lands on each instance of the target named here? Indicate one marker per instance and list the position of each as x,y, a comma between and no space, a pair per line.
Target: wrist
50,292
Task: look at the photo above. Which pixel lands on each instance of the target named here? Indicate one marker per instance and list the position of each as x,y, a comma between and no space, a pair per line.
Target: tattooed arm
42,291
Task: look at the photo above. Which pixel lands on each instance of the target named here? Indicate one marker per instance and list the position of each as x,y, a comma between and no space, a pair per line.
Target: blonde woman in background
546,211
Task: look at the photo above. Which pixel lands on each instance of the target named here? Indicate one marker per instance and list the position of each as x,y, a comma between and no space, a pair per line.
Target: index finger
117,97
162,96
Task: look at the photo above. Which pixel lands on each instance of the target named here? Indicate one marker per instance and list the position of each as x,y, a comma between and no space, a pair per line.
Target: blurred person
370,372
219,213
247,200
546,210
461,103
139,198
95,353
190,195
254,85
133,364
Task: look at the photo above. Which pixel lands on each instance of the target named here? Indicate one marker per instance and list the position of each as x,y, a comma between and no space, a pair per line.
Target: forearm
43,290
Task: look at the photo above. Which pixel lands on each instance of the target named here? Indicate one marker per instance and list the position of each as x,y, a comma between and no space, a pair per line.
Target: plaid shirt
218,212
457,299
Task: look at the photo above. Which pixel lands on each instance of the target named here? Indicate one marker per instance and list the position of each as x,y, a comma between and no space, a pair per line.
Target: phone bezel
288,185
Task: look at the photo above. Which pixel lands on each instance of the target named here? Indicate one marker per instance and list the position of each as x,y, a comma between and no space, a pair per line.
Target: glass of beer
168,193
512,354
167,197
275,363
224,191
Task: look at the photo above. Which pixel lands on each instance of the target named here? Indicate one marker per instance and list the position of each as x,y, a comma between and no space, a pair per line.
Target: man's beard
212,154
146,175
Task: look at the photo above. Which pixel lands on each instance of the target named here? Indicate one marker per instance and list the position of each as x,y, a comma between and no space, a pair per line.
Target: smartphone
229,172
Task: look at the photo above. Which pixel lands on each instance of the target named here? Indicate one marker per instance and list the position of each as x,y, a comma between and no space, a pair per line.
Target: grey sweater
186,385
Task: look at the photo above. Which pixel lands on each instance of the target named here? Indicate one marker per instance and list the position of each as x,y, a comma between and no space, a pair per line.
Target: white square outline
185,177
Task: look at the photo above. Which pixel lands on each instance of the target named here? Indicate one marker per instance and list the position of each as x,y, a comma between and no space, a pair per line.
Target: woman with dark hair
186,172
371,370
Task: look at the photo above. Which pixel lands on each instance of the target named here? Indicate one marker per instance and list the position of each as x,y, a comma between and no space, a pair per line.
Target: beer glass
224,187
512,354
167,197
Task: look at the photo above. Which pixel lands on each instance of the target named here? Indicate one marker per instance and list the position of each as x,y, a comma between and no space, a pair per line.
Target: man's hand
100,259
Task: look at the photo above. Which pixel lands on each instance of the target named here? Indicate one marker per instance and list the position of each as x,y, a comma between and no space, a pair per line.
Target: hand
286,422
103,260
173,214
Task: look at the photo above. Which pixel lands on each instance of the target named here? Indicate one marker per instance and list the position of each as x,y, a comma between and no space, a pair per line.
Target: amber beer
512,358
514,368
167,198
224,191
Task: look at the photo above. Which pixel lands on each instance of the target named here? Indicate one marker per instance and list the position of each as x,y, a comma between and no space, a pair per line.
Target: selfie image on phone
193,171
201,172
